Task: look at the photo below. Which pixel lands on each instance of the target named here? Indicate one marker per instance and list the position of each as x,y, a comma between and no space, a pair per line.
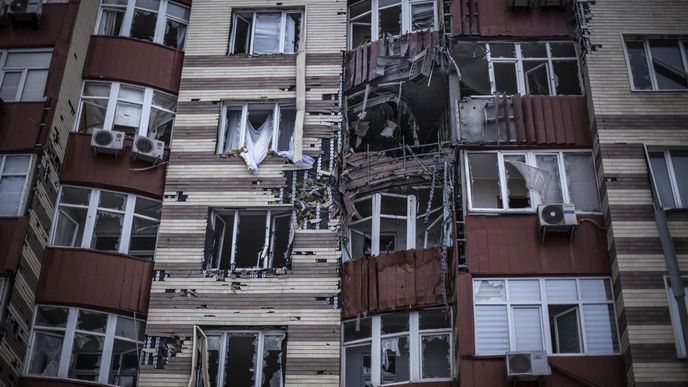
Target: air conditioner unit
521,3
148,149
107,141
557,215
527,365
25,10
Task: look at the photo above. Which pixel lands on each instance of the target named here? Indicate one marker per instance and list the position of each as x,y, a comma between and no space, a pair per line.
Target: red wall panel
12,233
497,18
51,382
20,128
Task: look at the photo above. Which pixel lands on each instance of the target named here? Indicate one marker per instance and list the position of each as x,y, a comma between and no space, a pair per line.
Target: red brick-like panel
90,278
26,381
20,126
402,279
84,167
130,60
12,233
510,244
497,18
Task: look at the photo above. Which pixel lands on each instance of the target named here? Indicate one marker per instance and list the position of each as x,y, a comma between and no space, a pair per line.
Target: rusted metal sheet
497,18
20,128
402,279
90,278
12,233
51,382
134,61
83,167
511,244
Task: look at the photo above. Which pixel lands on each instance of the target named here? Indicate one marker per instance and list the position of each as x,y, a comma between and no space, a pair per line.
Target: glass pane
9,87
97,89
148,207
527,329
18,60
143,25
662,181
164,101
160,125
358,366
359,8
537,77
144,234
92,321
566,77
131,94
534,50
273,360
582,183
124,363
130,328
392,205
505,78
11,189
390,21
112,200
50,316
395,323
551,164
561,290
595,289
422,16
241,360
435,318
395,359
127,118
668,64
69,229
524,290
517,190
111,21
565,325
638,62
491,329
107,231
152,5
292,32
214,347
16,165
360,34
357,329
679,159
178,11
92,114
485,189
286,129
34,85
502,50
86,356
600,328
72,195
436,356
175,34
266,38
45,353
485,291
562,50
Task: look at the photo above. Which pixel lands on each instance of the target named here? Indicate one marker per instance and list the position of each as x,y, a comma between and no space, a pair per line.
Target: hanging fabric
257,143
304,162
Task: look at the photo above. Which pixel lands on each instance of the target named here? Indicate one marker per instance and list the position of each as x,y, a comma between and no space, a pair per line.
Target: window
257,127
246,358
23,74
657,63
370,20
14,183
248,239
398,347
106,220
670,173
676,320
534,68
522,180
86,345
557,315
265,32
126,108
158,21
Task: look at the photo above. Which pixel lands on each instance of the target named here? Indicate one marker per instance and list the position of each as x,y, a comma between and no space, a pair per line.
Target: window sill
660,91
501,357
156,44
105,252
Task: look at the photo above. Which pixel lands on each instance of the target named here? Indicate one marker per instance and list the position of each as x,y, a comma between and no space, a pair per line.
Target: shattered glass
86,356
390,19
395,359
214,347
357,329
434,318
107,231
143,22
124,364
422,16
111,200
45,355
240,365
272,360
668,64
505,78
92,321
395,323
436,356
50,316
517,191
566,77
537,77
502,50
486,290
92,114
638,62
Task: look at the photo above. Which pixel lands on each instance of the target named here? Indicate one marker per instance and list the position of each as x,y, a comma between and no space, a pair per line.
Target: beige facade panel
653,137
647,262
675,372
276,317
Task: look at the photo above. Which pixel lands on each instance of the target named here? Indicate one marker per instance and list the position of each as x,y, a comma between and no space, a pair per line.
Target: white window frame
672,177
543,305
683,47
258,372
251,37
160,23
93,207
675,318
112,100
28,176
406,18
521,73
276,113
415,335
68,342
535,199
24,70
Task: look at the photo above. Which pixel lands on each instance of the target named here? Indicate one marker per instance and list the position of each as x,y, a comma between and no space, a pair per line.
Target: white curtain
233,131
257,143
305,162
267,33
390,344
109,22
537,179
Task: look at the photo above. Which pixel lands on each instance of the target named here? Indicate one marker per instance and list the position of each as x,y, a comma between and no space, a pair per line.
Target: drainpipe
669,250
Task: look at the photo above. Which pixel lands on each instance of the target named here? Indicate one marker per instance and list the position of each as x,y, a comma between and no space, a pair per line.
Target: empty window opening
670,173
266,32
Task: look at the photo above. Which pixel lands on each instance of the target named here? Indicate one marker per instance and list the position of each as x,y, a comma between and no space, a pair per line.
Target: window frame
70,331
681,352
160,22
24,71
223,131
543,305
28,177
683,47
283,25
415,335
673,183
406,18
521,74
531,160
128,216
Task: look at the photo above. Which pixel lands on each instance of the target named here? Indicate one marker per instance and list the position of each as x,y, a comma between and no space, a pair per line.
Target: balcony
134,61
89,278
20,126
83,167
12,233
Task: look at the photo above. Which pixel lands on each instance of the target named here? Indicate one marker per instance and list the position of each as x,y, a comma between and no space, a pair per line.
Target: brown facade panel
54,21
512,244
20,126
83,167
497,19
90,278
12,233
134,61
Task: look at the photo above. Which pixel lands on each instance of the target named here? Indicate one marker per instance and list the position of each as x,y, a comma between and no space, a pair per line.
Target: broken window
91,334
658,64
527,179
266,32
535,68
126,108
23,74
398,347
229,246
567,315
14,183
159,21
106,220
373,20
670,173
246,358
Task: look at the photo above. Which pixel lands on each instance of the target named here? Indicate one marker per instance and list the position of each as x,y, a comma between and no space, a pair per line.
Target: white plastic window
658,63
398,347
534,68
23,74
257,128
158,21
266,32
74,343
370,20
557,315
106,220
126,108
520,181
670,173
14,183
